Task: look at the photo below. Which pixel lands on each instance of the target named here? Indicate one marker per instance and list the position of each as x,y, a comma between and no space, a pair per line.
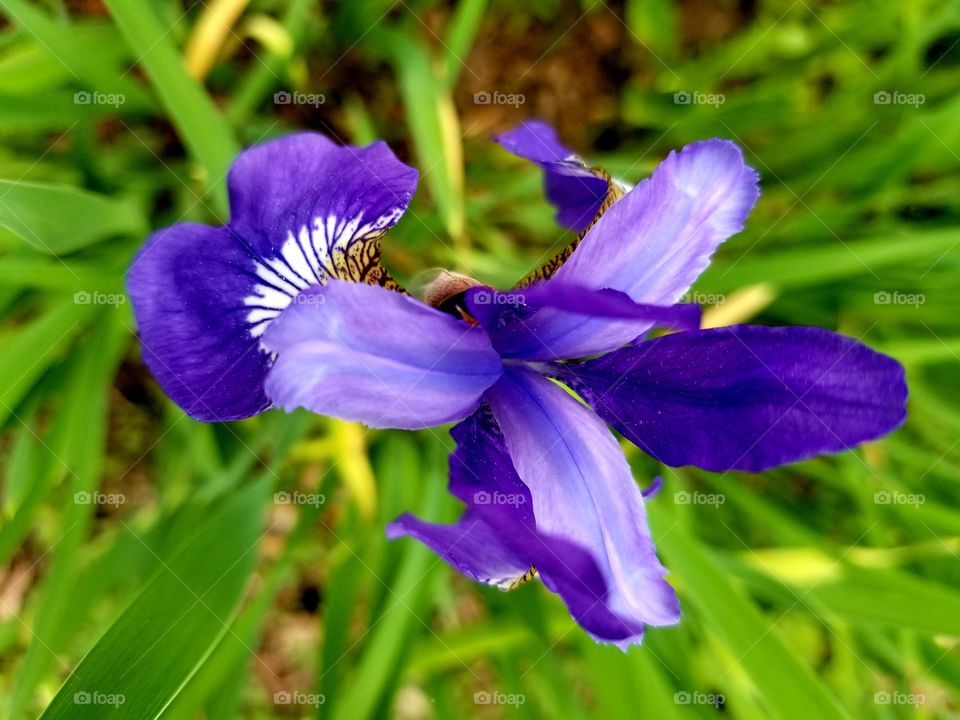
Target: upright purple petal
534,323
577,192
582,491
303,210
360,352
654,242
744,397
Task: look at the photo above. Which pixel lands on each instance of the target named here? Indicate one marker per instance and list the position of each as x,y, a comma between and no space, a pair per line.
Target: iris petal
360,352
554,321
577,192
187,288
303,210
582,491
497,540
654,242
744,397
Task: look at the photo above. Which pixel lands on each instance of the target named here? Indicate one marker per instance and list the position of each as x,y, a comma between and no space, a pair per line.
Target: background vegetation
151,557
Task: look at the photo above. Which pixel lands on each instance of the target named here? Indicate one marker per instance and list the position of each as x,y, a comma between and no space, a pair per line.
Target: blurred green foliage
159,558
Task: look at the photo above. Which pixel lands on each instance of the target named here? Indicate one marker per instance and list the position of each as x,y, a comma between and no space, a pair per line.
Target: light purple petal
554,321
654,242
745,397
360,352
576,191
303,210
582,491
187,287
497,540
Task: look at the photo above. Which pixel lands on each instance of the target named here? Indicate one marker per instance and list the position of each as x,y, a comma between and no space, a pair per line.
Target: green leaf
199,122
148,655
789,687
58,219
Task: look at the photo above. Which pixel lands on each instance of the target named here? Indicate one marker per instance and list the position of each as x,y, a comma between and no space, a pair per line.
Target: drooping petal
582,491
654,242
303,210
496,541
187,288
360,352
577,191
744,397
553,321
471,546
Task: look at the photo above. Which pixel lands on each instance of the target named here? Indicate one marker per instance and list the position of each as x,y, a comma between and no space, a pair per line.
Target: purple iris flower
288,305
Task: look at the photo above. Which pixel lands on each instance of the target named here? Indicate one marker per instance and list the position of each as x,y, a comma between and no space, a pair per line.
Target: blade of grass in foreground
199,123
157,645
59,219
789,688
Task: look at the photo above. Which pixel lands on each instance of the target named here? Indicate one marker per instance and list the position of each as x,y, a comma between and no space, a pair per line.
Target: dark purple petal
744,397
187,288
578,192
554,321
360,352
303,210
582,491
471,546
654,242
496,541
